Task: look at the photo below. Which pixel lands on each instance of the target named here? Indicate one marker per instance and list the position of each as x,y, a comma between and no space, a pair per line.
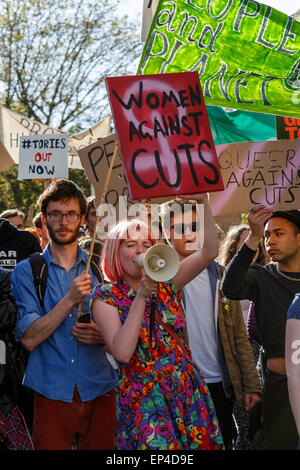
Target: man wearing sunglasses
67,368
216,329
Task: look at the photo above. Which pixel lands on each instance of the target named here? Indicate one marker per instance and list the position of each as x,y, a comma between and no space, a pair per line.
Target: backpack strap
39,269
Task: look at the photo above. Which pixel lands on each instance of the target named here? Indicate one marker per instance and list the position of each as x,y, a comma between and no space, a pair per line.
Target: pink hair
111,264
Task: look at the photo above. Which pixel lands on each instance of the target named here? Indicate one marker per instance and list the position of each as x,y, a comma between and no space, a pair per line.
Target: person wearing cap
272,288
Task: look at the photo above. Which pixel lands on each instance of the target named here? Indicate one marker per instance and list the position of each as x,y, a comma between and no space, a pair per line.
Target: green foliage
244,219
81,180
24,194
55,55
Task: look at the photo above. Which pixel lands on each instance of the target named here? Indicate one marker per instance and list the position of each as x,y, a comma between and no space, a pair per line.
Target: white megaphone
160,262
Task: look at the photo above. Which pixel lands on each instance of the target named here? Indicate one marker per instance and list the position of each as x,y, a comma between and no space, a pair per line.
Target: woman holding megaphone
162,400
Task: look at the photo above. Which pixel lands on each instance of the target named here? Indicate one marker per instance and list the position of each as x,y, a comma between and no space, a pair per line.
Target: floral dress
162,400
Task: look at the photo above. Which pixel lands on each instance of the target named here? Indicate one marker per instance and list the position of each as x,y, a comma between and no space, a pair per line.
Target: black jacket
271,294
13,356
15,245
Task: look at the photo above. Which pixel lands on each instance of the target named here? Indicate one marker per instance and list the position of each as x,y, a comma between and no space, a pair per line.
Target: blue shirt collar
81,256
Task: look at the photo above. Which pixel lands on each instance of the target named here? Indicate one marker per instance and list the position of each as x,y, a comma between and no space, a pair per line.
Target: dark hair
168,209
37,220
263,257
292,216
85,244
7,214
60,190
90,203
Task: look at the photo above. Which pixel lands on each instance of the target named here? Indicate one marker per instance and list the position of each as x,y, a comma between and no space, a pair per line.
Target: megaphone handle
152,322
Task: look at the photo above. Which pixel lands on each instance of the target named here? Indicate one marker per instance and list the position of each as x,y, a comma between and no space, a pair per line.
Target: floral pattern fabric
162,399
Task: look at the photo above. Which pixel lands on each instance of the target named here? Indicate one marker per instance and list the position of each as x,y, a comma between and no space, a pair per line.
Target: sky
286,6
130,7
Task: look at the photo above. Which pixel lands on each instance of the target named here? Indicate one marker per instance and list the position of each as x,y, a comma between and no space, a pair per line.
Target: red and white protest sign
164,135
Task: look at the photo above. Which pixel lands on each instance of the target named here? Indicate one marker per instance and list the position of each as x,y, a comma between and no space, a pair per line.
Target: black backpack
39,269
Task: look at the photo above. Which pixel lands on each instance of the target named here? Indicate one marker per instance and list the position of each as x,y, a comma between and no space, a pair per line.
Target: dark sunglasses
181,228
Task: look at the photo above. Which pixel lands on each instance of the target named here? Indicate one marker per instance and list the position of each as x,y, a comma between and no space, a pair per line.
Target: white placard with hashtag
43,157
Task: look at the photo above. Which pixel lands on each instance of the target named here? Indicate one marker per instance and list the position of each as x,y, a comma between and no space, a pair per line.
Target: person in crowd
15,245
34,232
15,216
41,229
67,366
292,357
216,330
14,433
162,399
85,244
232,242
234,239
91,216
272,288
90,223
249,426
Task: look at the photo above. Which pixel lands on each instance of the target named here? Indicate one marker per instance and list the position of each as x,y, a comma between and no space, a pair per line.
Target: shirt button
72,360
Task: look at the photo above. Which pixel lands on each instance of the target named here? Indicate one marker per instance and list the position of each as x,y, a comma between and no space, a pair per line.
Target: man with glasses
216,329
68,368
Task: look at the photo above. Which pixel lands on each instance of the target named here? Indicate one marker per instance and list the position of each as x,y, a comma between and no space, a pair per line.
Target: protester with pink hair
162,400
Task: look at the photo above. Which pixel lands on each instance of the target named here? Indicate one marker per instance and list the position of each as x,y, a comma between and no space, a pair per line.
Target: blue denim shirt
61,361
294,309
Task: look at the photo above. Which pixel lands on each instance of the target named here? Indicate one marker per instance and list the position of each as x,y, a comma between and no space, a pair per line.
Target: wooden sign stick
79,313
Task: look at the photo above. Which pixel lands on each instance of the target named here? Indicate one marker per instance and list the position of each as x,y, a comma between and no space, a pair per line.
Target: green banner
247,53
234,125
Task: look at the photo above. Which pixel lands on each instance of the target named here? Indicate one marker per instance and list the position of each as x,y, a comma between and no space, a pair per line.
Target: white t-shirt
201,321
245,304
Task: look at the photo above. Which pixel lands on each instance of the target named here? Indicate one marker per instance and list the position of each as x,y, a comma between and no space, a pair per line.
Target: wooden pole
108,176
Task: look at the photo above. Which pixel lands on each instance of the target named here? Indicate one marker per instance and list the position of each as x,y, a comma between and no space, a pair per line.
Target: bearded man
67,368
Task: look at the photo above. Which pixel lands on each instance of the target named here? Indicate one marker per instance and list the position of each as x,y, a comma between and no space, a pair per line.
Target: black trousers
224,408
279,424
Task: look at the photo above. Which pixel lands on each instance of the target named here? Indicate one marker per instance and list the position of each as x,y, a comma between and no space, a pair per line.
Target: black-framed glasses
57,216
181,228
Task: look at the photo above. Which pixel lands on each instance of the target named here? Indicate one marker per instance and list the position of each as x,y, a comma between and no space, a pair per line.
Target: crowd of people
99,355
